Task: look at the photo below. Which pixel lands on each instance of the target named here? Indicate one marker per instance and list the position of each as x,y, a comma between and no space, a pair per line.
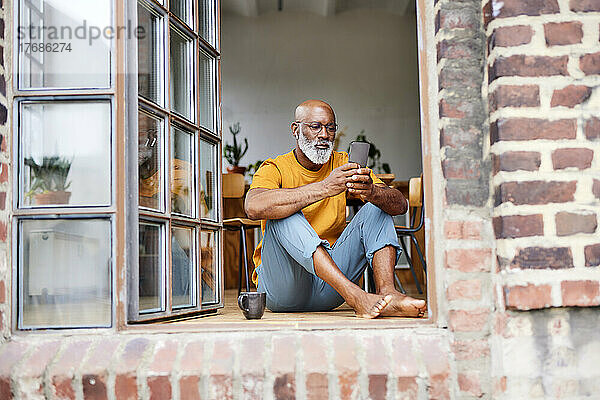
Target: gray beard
308,147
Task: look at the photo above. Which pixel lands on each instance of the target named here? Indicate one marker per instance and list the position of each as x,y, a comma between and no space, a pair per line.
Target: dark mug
252,304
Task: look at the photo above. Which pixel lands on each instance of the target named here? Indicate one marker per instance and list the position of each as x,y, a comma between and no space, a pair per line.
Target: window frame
171,119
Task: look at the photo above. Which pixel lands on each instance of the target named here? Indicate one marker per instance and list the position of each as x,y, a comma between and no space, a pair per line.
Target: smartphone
359,153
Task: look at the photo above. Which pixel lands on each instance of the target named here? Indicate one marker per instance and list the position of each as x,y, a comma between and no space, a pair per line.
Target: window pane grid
188,121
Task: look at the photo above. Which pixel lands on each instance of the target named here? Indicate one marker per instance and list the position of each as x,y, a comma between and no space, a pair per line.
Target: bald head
307,108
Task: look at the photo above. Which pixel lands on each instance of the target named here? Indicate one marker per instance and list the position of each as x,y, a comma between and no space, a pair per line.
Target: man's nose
323,134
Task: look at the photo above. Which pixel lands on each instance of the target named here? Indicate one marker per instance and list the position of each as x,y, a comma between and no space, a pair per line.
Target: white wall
363,62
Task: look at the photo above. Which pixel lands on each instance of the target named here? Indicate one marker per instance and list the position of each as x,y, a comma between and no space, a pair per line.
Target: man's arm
390,200
264,203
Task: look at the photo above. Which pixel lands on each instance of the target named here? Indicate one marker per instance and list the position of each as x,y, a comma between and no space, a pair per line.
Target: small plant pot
236,170
51,198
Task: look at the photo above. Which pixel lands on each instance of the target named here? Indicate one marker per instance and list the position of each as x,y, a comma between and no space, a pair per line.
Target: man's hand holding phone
360,184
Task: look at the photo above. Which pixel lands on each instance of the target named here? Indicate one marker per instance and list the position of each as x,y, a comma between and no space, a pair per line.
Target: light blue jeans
287,273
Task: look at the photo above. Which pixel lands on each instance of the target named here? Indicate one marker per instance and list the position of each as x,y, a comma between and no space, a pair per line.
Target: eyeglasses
315,127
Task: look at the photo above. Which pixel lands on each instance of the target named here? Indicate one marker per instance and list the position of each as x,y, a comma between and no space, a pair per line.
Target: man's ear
294,127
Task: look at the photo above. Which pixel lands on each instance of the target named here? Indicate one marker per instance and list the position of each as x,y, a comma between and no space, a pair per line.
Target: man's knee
372,212
281,225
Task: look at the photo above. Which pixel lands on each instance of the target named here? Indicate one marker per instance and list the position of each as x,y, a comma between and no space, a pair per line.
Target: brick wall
4,184
543,76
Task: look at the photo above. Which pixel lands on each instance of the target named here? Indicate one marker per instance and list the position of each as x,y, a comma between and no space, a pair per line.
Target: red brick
450,110
315,366
499,385
164,358
468,320
101,357
535,192
458,136
562,33
5,390
191,360
126,387
2,292
461,168
470,349
469,260
63,388
317,386
251,367
346,365
528,297
3,172
515,96
3,231
437,365
469,382
516,161
592,255
533,129
94,388
543,257
459,49
160,388
377,365
592,128
221,369
580,293
514,226
590,64
532,66
2,200
568,223
283,367
404,362
62,372
463,230
189,388
451,77
457,18
36,363
508,36
570,96
580,158
464,290
407,388
596,188
584,5
512,8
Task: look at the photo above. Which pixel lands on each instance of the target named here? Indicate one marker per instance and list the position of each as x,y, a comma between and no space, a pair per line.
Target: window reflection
149,161
65,267
182,171
181,74
149,55
182,265
209,259
150,271
208,180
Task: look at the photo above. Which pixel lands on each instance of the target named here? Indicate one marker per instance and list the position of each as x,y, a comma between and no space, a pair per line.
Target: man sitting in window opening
309,260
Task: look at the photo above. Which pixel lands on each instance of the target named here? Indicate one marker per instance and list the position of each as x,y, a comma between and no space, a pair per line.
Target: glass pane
181,74
208,183
65,273
207,92
209,259
149,55
183,9
65,153
182,171
206,11
182,260
64,43
150,139
151,275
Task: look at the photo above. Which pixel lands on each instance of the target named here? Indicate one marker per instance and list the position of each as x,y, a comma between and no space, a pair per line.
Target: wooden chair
233,188
415,201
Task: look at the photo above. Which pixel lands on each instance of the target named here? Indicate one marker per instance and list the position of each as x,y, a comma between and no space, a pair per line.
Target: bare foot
402,305
369,305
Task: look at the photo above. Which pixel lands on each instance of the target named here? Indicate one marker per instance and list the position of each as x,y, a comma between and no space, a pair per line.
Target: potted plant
234,152
381,170
49,180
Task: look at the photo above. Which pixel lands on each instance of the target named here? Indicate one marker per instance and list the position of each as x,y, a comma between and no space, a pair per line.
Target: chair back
415,200
233,186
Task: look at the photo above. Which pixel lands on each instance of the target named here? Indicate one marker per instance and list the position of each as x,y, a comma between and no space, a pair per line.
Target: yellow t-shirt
327,216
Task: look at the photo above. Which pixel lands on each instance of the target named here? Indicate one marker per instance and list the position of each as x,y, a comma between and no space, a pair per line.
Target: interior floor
231,313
